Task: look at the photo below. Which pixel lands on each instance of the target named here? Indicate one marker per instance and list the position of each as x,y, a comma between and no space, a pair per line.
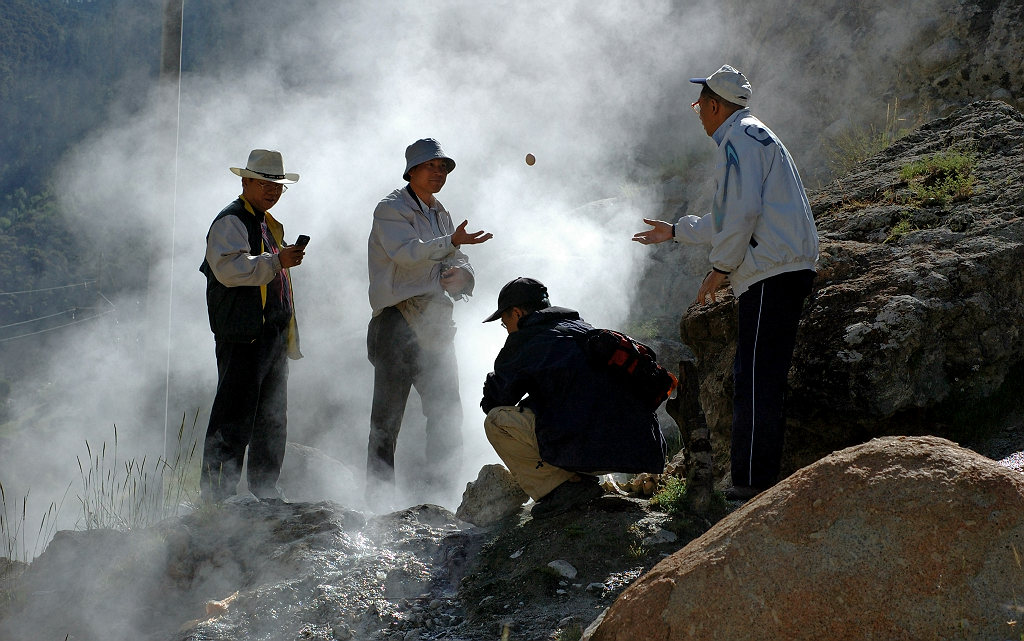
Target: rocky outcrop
248,569
899,538
918,305
493,496
245,569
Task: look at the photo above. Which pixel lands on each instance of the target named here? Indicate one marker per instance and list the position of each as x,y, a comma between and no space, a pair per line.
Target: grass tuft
671,498
117,495
132,495
941,178
851,148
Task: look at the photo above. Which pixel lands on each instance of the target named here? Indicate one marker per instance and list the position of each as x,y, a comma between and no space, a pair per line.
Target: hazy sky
582,85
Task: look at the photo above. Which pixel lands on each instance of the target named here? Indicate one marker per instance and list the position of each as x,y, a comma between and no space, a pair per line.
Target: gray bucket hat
423,150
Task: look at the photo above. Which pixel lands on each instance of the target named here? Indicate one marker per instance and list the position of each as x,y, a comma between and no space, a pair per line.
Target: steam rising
597,91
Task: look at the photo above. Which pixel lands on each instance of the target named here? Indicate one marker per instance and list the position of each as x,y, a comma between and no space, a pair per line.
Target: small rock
596,587
564,568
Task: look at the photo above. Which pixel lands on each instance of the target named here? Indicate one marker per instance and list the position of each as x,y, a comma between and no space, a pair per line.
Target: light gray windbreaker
760,223
407,246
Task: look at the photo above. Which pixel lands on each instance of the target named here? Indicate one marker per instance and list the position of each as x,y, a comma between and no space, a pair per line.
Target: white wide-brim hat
266,165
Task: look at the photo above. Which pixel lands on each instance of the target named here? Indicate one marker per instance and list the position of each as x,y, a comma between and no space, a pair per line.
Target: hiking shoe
567,496
272,494
741,492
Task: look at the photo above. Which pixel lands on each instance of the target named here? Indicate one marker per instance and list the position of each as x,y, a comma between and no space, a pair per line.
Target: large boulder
914,323
899,538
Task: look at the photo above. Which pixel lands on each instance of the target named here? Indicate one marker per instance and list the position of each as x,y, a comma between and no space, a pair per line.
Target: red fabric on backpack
633,362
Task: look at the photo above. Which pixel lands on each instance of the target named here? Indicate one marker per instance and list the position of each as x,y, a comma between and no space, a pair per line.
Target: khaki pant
512,432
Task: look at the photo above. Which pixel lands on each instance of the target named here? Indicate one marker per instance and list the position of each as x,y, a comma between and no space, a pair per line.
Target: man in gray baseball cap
417,270
764,245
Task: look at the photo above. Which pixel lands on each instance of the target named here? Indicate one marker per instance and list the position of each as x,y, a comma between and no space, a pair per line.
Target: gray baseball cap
729,84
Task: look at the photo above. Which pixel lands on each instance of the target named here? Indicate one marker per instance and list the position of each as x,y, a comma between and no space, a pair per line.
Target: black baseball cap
520,291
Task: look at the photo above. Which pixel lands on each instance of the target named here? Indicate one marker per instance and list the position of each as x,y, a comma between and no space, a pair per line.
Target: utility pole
160,297
170,48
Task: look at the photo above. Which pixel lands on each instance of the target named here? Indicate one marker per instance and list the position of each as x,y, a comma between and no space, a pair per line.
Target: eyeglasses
695,105
271,187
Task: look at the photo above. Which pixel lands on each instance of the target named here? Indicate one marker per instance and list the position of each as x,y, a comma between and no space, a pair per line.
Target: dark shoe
567,496
271,494
741,492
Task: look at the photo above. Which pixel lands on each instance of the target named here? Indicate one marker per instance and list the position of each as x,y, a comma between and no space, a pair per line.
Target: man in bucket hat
249,300
416,271
576,420
765,245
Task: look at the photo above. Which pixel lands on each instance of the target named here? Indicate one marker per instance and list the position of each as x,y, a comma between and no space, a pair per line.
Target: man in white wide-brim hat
417,270
249,300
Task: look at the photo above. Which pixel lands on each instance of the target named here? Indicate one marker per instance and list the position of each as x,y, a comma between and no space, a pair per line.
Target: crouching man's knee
510,422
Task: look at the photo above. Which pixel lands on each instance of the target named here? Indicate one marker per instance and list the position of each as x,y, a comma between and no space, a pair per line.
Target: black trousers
399,363
249,410
769,313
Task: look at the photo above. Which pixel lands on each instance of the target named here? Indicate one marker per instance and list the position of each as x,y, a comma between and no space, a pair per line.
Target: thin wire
50,329
174,212
48,289
32,320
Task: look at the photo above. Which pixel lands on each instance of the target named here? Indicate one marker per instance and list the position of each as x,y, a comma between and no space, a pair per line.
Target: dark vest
236,313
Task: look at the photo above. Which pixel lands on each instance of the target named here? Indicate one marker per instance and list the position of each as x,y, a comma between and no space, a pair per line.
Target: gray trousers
399,363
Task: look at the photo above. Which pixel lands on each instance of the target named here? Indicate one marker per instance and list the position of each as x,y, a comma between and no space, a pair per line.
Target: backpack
631,362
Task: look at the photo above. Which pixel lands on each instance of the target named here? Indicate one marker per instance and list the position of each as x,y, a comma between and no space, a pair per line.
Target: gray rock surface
493,496
249,569
899,538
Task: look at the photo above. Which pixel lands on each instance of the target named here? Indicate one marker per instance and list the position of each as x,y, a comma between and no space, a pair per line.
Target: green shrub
671,497
900,229
941,178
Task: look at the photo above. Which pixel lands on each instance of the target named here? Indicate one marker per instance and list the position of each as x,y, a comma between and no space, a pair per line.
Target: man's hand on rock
713,282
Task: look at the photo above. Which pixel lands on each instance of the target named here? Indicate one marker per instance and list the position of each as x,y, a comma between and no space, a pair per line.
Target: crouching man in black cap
554,419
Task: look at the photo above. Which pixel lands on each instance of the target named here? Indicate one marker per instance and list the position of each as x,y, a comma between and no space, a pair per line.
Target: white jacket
760,223
407,246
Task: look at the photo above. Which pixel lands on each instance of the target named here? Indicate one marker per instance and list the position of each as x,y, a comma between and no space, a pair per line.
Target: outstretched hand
660,232
461,237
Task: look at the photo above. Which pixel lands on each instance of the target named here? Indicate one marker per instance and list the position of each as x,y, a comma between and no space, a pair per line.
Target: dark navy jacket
585,421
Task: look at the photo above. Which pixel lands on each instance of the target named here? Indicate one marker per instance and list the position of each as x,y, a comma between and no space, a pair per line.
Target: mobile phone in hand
302,240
